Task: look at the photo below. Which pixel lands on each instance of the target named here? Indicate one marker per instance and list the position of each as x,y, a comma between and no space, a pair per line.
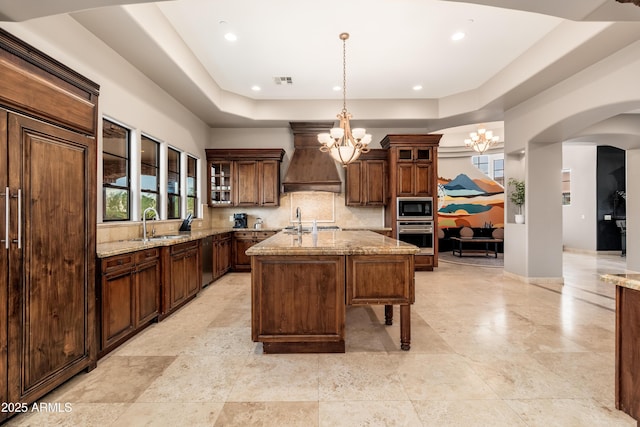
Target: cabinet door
178,285
353,184
242,262
147,292
4,261
226,254
423,179
52,273
118,310
270,183
246,183
375,182
193,275
406,172
219,183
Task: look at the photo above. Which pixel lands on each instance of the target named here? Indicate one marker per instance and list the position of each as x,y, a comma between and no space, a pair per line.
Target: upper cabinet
244,177
367,180
413,160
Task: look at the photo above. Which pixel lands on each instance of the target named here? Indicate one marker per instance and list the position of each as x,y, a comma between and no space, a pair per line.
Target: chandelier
481,141
343,143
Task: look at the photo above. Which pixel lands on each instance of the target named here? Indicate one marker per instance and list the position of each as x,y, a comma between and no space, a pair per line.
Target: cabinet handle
19,218
6,218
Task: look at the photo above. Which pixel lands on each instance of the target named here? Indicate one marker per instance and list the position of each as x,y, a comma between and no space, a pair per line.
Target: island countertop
630,281
331,243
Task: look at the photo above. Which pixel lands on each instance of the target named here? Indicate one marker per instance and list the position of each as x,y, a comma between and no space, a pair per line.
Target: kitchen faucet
144,222
299,219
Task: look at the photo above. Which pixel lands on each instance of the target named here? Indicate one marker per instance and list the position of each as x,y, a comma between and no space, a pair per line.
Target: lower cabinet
181,275
129,296
221,254
243,240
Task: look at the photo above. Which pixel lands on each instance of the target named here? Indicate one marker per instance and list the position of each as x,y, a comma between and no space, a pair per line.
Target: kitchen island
302,283
627,342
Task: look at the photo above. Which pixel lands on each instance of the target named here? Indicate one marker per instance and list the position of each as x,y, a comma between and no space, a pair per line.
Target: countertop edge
629,281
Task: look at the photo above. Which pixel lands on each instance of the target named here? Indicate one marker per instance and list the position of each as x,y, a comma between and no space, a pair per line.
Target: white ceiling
394,45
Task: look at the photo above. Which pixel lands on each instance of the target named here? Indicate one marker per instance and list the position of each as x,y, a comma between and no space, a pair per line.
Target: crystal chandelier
481,141
343,143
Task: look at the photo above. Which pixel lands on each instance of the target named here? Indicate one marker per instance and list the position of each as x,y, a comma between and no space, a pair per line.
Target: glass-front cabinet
220,184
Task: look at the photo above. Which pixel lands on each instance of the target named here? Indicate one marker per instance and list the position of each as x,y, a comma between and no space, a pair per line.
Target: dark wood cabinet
414,166
129,296
367,180
243,240
415,175
221,254
244,177
181,275
48,119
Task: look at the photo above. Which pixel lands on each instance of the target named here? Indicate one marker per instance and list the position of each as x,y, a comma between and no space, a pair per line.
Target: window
192,186
149,175
116,184
498,171
566,187
173,184
482,163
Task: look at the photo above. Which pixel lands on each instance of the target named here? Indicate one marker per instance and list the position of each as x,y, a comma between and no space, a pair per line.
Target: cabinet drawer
117,262
261,235
147,255
243,234
181,247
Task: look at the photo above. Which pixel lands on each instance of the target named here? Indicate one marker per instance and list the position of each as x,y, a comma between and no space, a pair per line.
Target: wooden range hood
309,168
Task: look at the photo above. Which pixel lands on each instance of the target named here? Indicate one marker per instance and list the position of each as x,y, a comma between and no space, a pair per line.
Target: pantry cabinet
244,177
48,119
367,180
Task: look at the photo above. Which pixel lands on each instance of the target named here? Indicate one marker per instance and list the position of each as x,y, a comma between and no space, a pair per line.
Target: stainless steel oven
415,208
419,233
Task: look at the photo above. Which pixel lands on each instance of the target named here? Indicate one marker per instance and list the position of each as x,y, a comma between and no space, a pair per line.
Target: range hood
310,169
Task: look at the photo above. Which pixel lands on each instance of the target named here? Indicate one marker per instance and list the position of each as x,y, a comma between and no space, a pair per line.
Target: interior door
51,273
4,260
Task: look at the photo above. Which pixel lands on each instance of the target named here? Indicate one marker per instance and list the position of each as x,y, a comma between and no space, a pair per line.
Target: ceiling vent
283,80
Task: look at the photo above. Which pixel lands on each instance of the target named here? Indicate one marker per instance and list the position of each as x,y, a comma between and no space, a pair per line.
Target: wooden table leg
405,327
388,315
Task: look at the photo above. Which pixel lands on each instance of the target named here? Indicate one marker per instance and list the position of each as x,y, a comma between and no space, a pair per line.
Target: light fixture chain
344,74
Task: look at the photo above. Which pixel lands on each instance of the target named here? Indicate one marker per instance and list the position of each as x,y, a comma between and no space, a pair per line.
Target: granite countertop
631,281
108,249
331,243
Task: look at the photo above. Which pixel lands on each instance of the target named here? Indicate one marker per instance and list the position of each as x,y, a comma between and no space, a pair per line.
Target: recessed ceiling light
255,88
337,88
459,35
417,87
230,37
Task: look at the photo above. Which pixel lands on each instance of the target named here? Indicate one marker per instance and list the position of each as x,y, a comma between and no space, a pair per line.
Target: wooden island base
299,301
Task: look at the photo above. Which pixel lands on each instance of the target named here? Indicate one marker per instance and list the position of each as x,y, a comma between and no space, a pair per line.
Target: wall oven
415,208
418,233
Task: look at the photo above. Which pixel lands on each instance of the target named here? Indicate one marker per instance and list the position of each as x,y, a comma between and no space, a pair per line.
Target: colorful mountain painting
470,202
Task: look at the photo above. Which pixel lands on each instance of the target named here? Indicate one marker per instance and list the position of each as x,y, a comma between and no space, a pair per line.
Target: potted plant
517,197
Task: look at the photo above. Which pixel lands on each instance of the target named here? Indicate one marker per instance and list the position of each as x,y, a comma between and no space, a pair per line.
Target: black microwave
415,208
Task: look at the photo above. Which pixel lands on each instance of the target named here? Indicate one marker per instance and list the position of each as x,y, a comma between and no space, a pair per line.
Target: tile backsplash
326,208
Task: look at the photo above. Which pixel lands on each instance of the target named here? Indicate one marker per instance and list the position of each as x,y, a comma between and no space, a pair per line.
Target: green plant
517,194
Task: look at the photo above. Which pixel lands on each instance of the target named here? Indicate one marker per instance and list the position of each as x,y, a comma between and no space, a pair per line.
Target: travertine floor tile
486,350
370,413
268,414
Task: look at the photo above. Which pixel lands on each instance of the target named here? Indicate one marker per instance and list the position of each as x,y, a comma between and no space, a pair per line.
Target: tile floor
486,351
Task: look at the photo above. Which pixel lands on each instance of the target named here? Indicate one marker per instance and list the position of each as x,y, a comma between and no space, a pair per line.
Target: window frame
157,166
176,195
106,124
194,198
